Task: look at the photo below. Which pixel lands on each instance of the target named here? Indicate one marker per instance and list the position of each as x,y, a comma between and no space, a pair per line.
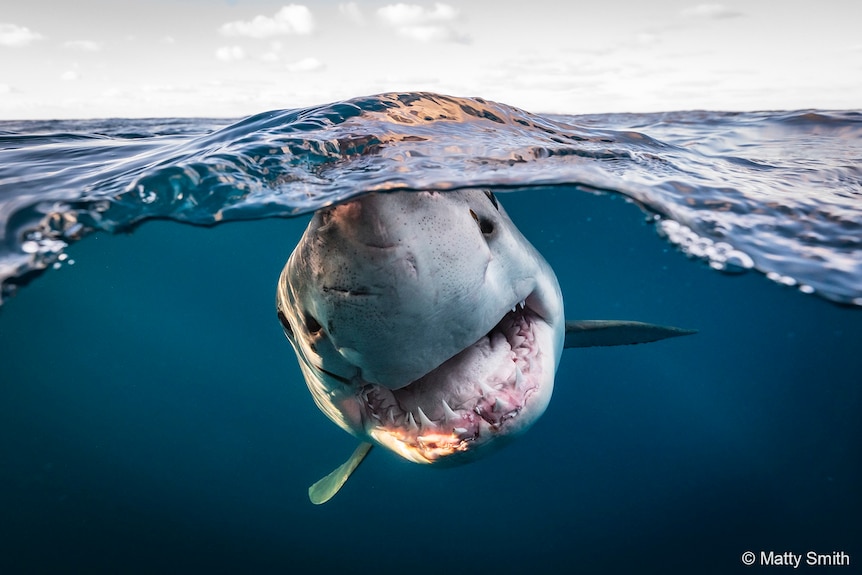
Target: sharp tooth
514,308
410,422
459,430
519,376
486,389
523,303
423,419
390,415
448,411
500,406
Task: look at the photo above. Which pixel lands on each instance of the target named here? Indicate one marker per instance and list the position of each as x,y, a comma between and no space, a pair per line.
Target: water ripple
780,192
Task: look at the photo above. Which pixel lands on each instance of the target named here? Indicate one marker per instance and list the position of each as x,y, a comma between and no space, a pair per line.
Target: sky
232,58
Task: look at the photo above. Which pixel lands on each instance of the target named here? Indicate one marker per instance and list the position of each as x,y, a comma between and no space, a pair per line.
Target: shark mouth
467,401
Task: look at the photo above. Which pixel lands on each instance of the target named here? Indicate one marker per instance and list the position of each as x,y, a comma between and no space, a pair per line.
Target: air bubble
721,256
146,196
738,262
36,243
783,280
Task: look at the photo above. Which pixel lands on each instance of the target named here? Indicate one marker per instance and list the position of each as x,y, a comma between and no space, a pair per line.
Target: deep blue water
153,417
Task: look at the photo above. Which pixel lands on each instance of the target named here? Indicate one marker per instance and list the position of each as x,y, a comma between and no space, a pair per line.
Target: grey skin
426,323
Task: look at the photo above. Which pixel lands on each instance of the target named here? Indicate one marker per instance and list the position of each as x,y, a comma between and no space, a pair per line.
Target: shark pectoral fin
326,488
589,333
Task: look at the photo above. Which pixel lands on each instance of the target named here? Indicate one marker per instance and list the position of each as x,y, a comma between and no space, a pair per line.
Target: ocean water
153,417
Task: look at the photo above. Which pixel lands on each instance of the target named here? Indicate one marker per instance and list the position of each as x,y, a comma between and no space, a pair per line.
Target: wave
779,192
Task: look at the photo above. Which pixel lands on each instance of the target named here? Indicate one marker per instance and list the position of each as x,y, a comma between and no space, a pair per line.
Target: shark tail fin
323,490
589,333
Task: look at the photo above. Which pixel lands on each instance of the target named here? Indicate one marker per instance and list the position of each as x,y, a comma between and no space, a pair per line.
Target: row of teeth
519,306
419,421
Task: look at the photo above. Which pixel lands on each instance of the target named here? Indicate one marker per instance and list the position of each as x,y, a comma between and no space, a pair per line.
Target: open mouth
469,399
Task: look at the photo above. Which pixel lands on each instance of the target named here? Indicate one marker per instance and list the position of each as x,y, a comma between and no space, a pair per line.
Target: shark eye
311,324
493,199
485,225
285,324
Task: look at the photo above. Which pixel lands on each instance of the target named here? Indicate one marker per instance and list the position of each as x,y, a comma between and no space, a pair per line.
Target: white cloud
169,40
230,53
84,45
352,12
70,75
305,65
291,19
715,11
6,89
411,14
14,35
422,24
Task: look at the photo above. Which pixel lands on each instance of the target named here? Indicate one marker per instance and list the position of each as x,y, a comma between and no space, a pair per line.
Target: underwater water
153,417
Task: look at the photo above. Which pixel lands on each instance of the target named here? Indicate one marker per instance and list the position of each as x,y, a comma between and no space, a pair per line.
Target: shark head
423,322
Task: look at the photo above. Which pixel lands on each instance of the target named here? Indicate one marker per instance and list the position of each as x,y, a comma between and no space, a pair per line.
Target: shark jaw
492,390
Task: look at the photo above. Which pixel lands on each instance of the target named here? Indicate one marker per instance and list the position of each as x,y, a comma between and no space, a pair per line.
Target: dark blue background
153,419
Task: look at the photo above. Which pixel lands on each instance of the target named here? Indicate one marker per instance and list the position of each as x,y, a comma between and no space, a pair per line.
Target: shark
424,322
